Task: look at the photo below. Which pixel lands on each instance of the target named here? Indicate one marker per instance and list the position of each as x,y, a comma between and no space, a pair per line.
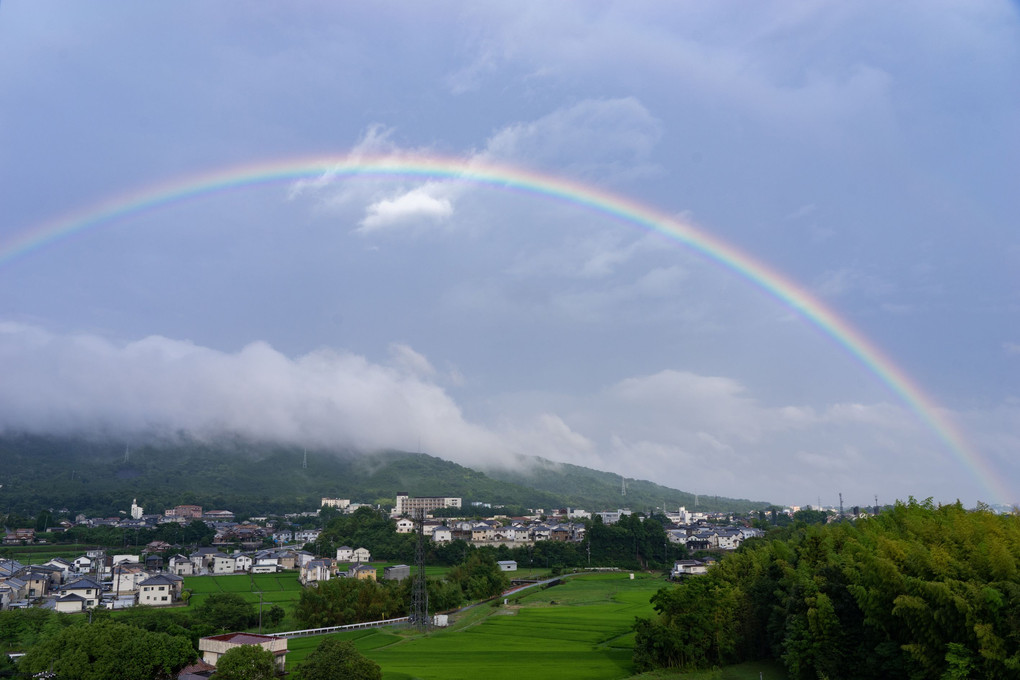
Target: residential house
181,565
405,526
54,574
315,571
19,536
126,559
288,559
483,532
729,539
12,589
362,555
559,532
38,582
540,532
157,591
87,589
683,568
265,562
223,564
203,558
303,558
442,535
70,604
362,572
306,536
265,568
345,553
242,562
66,568
10,567
212,648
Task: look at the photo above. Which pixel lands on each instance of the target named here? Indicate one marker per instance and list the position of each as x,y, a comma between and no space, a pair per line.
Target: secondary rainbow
514,178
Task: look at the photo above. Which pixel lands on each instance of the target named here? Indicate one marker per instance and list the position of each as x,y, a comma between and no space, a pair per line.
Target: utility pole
260,612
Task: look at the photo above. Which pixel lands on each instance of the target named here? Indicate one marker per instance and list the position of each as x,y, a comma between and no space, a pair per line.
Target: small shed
507,565
398,572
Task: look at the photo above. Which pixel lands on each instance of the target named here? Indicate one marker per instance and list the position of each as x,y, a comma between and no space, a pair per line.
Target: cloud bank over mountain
706,434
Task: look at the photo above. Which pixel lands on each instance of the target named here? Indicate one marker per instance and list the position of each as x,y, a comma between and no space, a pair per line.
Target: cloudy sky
869,152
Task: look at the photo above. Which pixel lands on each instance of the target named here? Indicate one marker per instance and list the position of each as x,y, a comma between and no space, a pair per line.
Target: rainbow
534,183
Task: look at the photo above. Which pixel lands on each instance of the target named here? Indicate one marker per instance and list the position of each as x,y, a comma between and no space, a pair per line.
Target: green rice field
580,629
282,589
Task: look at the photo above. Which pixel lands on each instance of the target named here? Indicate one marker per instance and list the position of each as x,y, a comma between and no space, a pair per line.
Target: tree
246,662
338,660
109,650
227,611
480,577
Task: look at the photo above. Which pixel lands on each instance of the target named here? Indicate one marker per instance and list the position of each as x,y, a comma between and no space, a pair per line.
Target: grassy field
578,630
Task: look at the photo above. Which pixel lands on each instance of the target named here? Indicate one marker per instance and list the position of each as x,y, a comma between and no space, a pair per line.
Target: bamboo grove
920,591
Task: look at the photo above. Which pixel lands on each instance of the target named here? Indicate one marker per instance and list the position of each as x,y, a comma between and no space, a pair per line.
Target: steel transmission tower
419,614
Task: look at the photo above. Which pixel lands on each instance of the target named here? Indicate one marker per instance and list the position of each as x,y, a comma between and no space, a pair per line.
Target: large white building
409,504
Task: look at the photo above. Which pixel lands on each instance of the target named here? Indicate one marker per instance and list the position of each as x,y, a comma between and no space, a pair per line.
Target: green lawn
578,630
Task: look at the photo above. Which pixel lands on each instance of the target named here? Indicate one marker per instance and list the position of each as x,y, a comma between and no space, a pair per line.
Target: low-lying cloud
706,434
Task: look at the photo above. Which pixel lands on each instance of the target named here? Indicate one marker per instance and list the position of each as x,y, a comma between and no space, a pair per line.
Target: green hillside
583,487
102,475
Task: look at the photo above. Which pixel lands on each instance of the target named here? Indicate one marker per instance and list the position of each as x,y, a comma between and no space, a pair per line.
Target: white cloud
603,138
404,357
377,140
75,382
1011,349
409,207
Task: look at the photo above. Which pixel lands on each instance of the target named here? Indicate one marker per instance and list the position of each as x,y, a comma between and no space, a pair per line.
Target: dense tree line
105,649
918,592
343,601
44,634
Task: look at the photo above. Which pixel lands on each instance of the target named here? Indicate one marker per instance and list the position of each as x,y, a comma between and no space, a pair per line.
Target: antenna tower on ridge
623,488
304,463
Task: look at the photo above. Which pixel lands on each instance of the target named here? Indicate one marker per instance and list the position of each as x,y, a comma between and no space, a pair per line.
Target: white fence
337,629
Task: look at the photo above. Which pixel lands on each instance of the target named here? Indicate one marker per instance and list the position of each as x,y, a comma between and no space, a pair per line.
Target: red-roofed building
212,648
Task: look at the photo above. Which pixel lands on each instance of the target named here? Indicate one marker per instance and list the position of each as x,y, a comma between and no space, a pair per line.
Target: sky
866,153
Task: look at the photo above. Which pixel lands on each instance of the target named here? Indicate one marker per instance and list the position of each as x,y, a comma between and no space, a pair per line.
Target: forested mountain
101,475
576,485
